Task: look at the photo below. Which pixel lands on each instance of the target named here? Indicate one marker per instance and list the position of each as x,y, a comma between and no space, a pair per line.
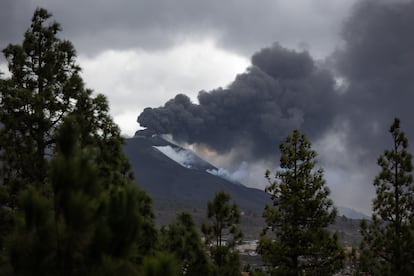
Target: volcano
179,180
171,173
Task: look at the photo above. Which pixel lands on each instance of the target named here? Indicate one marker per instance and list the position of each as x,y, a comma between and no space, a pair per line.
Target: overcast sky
143,53
140,53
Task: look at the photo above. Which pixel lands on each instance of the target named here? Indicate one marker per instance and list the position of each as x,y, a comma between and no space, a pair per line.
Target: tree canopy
69,205
222,234
389,238
181,237
299,215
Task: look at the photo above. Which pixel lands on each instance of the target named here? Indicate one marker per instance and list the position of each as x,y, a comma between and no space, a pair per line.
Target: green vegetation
161,264
388,240
69,204
182,239
300,213
222,234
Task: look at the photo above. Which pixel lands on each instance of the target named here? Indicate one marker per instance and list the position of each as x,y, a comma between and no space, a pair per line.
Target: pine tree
388,240
43,88
222,234
160,264
44,91
72,231
5,212
53,233
299,215
181,238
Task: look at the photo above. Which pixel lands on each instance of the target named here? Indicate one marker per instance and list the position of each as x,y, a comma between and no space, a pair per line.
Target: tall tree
222,234
44,90
80,227
299,215
5,212
181,238
388,240
53,232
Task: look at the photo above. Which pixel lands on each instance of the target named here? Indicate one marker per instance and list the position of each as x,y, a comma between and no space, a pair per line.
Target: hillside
187,186
178,180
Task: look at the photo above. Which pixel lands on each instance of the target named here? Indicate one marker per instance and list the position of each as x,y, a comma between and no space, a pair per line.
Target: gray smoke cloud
238,176
377,62
285,89
377,66
281,91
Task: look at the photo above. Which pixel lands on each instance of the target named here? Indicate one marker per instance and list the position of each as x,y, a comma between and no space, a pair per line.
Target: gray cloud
282,90
378,64
14,19
286,89
242,25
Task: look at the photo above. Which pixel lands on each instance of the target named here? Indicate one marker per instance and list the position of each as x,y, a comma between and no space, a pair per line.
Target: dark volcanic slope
167,181
176,188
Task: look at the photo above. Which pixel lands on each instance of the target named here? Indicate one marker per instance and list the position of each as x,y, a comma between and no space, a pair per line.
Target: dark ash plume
378,65
285,89
282,90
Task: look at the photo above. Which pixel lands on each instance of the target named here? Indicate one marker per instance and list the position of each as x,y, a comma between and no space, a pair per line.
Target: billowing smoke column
281,91
284,89
378,65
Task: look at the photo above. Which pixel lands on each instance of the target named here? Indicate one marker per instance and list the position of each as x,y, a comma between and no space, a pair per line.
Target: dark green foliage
222,234
44,84
54,233
30,245
45,87
161,264
388,240
81,227
257,273
67,196
182,239
300,213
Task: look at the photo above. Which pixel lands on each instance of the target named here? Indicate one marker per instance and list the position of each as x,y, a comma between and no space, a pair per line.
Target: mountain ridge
177,185
164,178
